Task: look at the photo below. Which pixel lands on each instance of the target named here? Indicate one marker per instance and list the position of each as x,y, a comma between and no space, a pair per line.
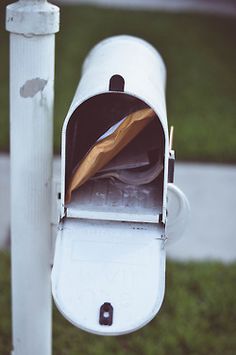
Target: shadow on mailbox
108,275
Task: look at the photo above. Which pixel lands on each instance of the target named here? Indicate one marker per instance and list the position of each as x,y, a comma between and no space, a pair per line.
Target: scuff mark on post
32,87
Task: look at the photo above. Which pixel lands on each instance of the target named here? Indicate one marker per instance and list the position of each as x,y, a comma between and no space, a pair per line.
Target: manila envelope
103,151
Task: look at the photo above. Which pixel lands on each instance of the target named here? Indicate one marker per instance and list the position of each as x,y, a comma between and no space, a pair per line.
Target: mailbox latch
106,314
171,166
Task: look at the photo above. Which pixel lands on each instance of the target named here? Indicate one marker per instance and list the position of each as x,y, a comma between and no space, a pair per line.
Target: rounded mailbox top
124,40
133,59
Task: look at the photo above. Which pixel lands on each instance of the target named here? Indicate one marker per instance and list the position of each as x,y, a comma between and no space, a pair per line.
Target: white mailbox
108,275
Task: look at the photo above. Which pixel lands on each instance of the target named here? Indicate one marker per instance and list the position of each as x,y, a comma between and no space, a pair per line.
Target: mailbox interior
111,200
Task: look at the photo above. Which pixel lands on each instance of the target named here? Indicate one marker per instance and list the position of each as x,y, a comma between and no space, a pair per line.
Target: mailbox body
112,254
144,75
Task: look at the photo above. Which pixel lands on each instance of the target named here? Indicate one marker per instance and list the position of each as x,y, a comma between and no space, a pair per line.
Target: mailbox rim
69,115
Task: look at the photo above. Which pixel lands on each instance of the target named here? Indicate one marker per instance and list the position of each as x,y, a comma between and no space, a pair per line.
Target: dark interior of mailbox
114,193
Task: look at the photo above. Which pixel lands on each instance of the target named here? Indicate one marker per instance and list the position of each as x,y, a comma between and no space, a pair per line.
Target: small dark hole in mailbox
117,83
106,314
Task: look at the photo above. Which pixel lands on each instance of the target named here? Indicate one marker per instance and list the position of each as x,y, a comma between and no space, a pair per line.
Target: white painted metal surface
32,17
32,43
119,263
145,78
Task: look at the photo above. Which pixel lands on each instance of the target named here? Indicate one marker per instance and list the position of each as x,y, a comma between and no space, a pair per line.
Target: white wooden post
32,25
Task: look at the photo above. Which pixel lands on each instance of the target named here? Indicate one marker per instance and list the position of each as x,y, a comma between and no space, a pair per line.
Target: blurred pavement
224,7
211,190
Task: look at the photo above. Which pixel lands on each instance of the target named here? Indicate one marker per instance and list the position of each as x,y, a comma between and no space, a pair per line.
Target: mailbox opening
129,187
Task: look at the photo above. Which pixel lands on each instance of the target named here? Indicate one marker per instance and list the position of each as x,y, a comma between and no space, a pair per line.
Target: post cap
32,18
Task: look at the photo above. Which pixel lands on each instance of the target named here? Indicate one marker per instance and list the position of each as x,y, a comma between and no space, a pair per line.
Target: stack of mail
117,154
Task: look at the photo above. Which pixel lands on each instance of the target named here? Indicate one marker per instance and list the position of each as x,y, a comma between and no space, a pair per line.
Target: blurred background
197,41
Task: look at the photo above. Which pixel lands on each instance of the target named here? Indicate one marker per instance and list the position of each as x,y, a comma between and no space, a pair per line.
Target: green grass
198,317
200,54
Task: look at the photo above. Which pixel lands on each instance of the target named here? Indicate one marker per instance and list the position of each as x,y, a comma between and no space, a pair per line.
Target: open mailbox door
108,275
